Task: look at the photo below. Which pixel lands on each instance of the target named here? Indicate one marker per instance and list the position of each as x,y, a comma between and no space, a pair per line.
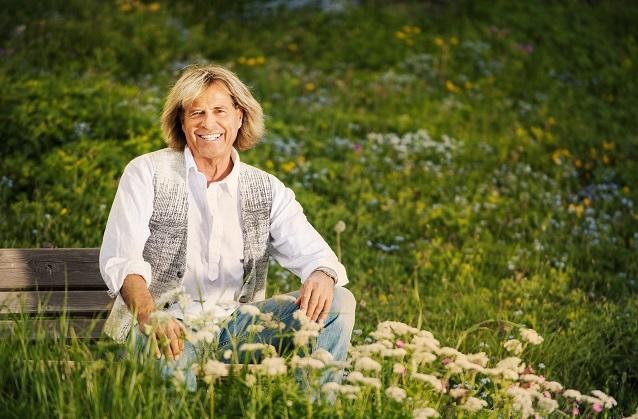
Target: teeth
211,137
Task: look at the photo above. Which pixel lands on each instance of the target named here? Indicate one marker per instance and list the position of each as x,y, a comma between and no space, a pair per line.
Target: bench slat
76,301
50,269
83,328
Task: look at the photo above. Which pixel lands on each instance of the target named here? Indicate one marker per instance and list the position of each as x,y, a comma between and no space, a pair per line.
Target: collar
229,183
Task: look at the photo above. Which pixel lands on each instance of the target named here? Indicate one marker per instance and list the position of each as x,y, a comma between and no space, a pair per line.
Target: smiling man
194,216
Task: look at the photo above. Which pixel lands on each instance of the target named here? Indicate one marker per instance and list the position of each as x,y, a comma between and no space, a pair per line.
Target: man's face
211,123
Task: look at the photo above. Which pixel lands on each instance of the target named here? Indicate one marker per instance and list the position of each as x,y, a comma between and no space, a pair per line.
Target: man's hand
315,296
167,339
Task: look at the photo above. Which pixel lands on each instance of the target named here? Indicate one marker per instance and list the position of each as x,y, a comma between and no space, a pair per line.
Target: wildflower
284,298
201,336
458,392
473,404
394,353
479,358
597,407
399,343
252,347
367,364
451,87
608,401
346,389
396,393
215,369
439,41
340,227
530,335
249,309
273,366
448,352
255,328
227,354
572,394
430,379
398,369
514,346
323,356
552,386
547,404
357,377
306,362
425,412
512,363
179,377
310,86
250,380
454,40
154,7
302,337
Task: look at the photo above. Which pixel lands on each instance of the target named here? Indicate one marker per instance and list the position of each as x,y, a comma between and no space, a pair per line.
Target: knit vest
165,249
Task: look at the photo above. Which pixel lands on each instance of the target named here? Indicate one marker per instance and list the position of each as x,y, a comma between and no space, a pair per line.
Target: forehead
215,94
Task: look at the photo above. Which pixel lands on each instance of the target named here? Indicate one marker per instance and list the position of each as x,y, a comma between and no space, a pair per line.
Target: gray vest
165,249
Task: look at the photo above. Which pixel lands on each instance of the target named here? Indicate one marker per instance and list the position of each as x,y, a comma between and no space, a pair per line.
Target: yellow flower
578,164
557,156
293,47
154,7
288,166
576,209
520,132
451,86
605,159
400,35
242,60
551,121
261,59
468,85
625,190
586,202
269,164
454,40
126,7
64,211
310,86
439,41
608,145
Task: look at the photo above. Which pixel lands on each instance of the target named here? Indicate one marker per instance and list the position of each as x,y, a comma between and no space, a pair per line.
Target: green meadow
483,156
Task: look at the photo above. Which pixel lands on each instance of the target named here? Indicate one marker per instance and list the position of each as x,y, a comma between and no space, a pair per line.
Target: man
193,216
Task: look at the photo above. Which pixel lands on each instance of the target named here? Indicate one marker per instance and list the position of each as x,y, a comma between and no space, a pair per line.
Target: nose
209,121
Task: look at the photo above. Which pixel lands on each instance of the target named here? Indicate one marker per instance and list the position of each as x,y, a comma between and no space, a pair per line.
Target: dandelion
395,393
473,404
273,366
249,309
367,364
340,227
424,412
514,346
530,335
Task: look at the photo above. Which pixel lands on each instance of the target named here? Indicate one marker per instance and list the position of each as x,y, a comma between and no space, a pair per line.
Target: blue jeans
334,337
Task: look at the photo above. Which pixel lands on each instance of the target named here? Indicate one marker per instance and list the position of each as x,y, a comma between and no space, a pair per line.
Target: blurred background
482,154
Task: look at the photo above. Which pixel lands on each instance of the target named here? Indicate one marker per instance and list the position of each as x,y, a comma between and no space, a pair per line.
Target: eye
196,113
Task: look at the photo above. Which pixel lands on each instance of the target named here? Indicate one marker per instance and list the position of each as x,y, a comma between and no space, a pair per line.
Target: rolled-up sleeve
127,227
295,244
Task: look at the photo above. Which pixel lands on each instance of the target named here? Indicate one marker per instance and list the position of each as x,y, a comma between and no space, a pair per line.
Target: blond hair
192,83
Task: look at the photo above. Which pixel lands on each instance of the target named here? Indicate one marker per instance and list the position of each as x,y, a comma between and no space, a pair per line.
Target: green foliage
483,156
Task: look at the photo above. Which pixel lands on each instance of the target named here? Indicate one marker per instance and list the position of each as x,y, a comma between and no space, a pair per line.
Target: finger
180,332
318,310
174,344
312,304
305,298
165,345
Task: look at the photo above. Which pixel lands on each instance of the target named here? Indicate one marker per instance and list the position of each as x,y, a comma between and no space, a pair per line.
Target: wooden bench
45,284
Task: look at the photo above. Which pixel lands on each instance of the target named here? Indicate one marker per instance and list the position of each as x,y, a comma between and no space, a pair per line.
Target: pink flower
546,394
446,361
575,411
358,148
399,343
597,407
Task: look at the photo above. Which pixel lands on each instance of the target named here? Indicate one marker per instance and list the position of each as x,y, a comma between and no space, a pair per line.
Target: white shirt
215,243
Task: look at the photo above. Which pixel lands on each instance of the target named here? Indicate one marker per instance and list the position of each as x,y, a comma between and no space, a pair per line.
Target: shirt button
243,299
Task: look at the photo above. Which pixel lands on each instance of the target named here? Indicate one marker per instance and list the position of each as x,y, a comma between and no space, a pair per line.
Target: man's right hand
167,338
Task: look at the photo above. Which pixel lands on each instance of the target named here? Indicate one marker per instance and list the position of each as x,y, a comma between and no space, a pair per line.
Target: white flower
345,389
302,337
255,328
530,335
160,317
532,378
479,358
323,355
447,351
572,394
472,404
398,328
394,353
273,366
179,377
252,347
429,379
547,405
419,358
366,364
357,377
227,354
250,380
395,393
458,392
398,369
425,412
207,336
340,227
249,309
512,363
382,334
284,298
552,386
370,349
306,362
514,346
463,362
214,369
608,401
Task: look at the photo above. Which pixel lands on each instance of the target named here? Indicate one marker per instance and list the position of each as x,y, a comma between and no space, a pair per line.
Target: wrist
329,273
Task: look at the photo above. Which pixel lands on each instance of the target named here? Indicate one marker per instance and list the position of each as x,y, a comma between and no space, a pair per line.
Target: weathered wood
82,328
50,269
54,302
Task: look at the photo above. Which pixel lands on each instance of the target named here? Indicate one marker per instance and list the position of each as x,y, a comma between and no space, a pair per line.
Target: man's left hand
315,296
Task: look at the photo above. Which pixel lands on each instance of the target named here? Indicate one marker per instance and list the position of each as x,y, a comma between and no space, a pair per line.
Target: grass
481,155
